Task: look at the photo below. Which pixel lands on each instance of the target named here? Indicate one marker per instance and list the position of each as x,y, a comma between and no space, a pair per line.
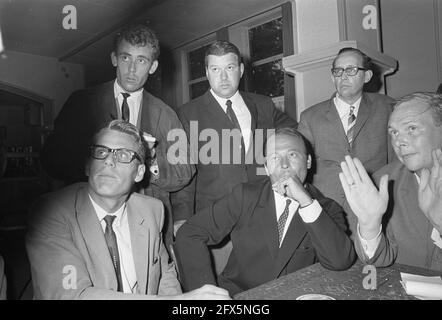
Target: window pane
199,88
197,67
266,40
268,79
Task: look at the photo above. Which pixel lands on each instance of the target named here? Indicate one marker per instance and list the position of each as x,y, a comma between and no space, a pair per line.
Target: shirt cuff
436,237
370,246
311,212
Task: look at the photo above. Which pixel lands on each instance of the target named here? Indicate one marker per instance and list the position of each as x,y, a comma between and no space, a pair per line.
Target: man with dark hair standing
135,56
100,240
224,107
352,122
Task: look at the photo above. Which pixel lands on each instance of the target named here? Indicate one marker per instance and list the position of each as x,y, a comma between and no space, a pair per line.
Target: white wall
42,75
411,31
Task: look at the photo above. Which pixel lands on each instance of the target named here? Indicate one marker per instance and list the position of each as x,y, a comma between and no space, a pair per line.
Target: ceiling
35,26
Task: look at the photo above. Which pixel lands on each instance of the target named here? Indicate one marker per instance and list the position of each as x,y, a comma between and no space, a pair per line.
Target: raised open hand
367,203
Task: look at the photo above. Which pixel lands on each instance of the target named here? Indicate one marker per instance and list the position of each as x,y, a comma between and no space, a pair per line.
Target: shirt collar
101,213
118,90
222,101
343,107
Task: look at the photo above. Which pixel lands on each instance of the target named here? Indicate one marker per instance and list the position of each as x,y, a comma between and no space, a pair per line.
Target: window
266,51
197,83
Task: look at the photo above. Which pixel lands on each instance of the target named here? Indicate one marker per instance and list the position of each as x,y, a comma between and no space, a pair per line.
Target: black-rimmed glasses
122,155
349,71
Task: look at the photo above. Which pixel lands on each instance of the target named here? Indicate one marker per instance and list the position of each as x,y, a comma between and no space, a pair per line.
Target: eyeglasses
349,71
122,155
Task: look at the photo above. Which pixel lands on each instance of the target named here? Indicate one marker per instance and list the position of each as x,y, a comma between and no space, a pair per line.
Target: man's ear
114,58
87,168
368,75
153,67
309,162
140,172
241,68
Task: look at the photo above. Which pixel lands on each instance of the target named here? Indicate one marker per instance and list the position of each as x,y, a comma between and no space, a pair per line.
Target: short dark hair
220,48
140,35
290,132
433,100
131,130
366,60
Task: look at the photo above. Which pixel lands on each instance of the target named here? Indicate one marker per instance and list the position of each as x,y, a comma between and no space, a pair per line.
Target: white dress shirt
370,246
122,232
343,109
134,102
308,214
242,114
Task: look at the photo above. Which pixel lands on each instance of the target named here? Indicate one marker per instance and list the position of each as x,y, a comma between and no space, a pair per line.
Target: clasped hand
292,187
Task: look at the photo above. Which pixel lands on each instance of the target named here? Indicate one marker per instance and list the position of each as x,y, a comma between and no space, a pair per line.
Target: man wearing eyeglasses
352,122
101,240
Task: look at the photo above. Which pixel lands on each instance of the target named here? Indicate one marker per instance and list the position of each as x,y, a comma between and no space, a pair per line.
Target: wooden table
341,285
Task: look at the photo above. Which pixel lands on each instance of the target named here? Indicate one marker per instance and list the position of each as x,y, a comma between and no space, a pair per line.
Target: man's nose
401,140
284,162
132,67
110,159
344,75
223,74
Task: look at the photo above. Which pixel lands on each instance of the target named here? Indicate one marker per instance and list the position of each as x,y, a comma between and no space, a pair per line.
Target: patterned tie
231,114
351,125
125,107
282,220
111,241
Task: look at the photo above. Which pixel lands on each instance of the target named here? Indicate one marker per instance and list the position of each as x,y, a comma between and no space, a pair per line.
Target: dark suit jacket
248,214
407,231
64,231
214,180
66,150
322,127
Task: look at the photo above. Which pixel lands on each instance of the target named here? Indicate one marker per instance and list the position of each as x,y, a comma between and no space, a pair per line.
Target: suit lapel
252,109
94,238
365,110
334,122
147,116
108,103
407,190
213,107
293,238
267,213
139,234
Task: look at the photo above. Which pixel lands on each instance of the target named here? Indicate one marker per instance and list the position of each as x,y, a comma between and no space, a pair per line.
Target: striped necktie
351,125
111,241
282,220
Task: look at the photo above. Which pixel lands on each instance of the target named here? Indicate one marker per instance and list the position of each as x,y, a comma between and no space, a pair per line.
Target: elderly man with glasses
352,122
99,239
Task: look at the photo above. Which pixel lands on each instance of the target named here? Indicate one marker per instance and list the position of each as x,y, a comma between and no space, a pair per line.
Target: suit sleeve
169,284
183,201
175,169
304,129
57,267
333,247
207,227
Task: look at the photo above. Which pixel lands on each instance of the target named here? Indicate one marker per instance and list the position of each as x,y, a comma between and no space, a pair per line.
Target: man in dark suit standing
352,123
277,225
224,107
135,57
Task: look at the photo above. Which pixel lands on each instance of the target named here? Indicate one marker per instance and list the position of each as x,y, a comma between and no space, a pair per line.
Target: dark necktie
111,241
231,114
282,220
125,113
351,124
